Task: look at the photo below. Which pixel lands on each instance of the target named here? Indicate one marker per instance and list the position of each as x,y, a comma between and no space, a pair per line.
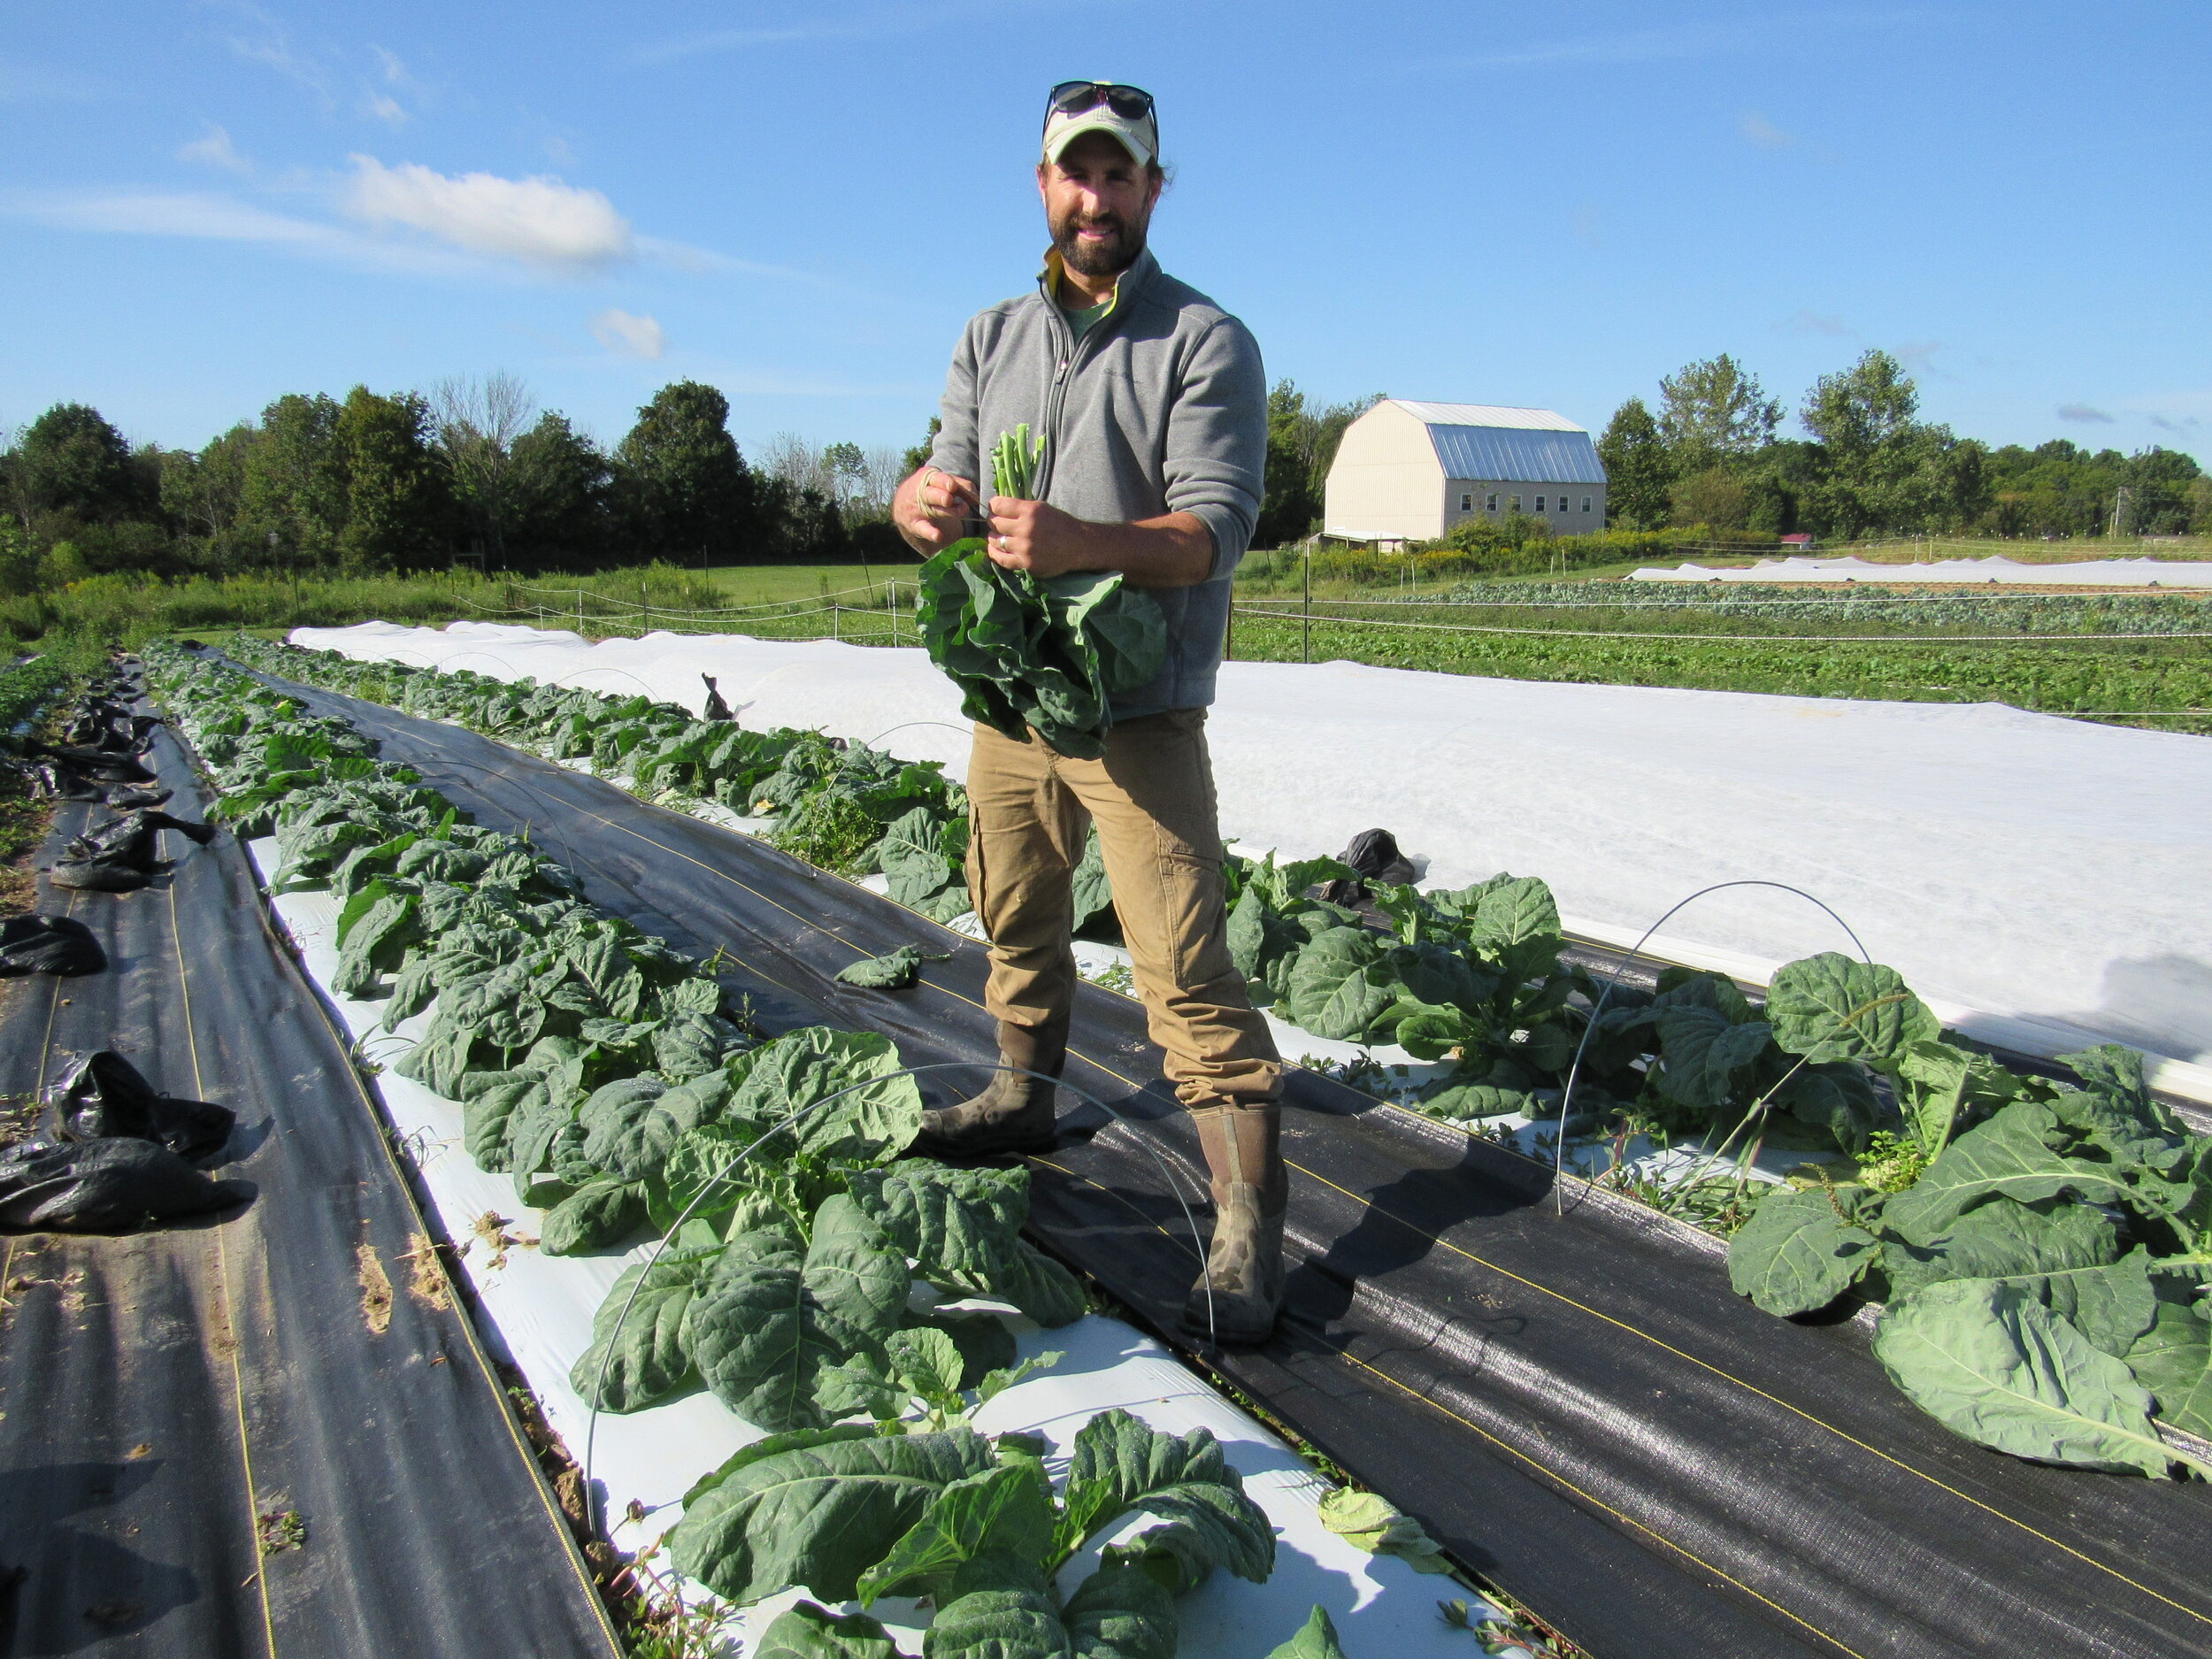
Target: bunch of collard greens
977,1525
1048,657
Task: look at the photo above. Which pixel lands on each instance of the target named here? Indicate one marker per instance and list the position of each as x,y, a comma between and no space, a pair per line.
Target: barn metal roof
1487,444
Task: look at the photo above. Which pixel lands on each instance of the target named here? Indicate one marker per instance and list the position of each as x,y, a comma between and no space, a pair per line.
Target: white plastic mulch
540,1309
2045,883
2087,574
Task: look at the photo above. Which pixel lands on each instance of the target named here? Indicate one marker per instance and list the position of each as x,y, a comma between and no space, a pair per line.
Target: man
1153,404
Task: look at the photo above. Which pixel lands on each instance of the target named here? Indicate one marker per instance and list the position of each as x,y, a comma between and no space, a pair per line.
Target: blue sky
204,204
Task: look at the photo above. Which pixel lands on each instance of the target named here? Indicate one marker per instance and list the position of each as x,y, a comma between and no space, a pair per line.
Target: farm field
611,723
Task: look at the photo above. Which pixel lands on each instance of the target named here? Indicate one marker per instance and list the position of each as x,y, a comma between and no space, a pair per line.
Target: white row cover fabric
539,1309
2045,883
2088,574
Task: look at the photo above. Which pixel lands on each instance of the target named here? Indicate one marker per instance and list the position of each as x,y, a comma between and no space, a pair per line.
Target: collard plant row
602,1070
2041,1249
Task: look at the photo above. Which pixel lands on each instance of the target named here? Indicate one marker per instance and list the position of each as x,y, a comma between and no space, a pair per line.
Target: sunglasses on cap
1072,98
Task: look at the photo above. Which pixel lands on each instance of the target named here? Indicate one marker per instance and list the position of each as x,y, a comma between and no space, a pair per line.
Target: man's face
1098,202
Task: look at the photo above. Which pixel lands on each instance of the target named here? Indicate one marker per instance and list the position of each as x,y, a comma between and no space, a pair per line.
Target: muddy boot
1014,1111
1244,1266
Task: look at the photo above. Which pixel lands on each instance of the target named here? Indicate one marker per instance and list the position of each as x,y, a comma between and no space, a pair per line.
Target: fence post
580,611
837,615
894,611
1310,603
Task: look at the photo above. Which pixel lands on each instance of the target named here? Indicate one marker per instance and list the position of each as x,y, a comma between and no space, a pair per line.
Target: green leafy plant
977,1526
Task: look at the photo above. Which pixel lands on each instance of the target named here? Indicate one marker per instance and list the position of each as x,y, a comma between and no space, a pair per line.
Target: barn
1410,471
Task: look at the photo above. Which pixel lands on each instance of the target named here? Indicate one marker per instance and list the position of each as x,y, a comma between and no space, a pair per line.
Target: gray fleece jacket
1161,408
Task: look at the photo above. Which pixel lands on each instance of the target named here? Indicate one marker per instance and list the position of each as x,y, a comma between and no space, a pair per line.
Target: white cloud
1762,132
214,217
1919,356
539,220
628,336
213,148
270,44
2083,412
383,104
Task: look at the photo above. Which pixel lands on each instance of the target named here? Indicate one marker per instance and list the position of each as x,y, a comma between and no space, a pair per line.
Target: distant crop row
2090,676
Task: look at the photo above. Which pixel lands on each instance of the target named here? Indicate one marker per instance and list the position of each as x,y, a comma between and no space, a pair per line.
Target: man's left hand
1033,536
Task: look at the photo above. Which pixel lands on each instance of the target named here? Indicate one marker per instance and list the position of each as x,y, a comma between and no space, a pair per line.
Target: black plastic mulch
1576,1405
268,1430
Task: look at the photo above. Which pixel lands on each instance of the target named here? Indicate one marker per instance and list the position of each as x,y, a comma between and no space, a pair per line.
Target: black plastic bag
716,710
122,854
104,1187
1374,857
106,1097
48,944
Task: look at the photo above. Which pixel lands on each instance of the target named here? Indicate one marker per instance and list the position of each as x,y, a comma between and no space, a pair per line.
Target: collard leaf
597,1214
1993,1365
1829,1007
816,1511
1316,1640
832,1094
1121,1612
1094,894
1000,1509
645,1357
1463,1103
895,972
489,1101
1381,1528
807,1632
998,1624
2173,1359
1338,989
768,1336
1704,1053
1122,1464
1834,1095
1798,1253
630,1126
911,854
1939,1082
2010,1156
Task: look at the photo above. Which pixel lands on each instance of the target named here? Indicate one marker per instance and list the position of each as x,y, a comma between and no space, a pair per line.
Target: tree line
1713,456
473,471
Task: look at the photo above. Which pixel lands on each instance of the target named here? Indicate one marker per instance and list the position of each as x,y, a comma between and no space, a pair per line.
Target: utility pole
2119,509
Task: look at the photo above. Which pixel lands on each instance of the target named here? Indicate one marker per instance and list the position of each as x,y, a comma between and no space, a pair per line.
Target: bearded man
1153,405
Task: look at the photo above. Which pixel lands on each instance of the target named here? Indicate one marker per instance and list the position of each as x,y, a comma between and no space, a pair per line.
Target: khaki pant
1152,798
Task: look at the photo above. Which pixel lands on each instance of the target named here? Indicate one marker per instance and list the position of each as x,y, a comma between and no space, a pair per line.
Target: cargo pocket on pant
978,892
1193,920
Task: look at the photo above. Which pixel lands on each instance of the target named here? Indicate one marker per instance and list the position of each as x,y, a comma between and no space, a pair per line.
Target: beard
1109,258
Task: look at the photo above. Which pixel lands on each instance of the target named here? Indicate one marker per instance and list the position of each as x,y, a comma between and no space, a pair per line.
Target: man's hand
931,507
1039,538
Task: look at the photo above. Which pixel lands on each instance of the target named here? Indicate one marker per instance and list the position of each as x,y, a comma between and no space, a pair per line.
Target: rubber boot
1014,1111
1244,1265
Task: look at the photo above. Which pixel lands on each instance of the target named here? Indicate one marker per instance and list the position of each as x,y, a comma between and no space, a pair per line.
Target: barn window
1586,503
1540,503
1493,507
1467,503
1515,501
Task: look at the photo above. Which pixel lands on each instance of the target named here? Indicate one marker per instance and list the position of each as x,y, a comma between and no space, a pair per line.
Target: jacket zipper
1069,359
